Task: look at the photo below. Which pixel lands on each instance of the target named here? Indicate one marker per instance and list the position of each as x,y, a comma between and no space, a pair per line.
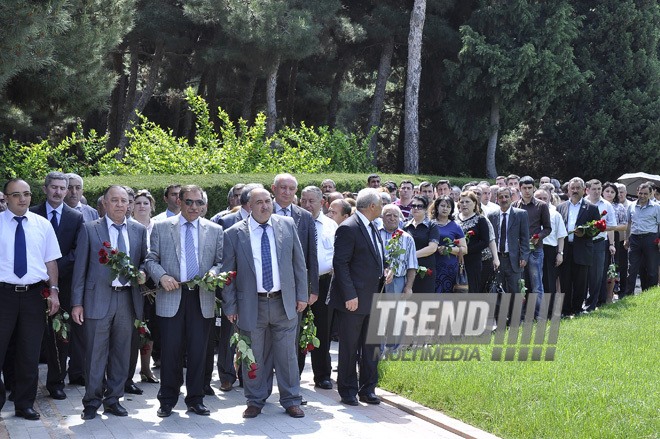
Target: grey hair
245,195
56,175
385,196
505,188
278,177
576,179
315,190
367,196
71,175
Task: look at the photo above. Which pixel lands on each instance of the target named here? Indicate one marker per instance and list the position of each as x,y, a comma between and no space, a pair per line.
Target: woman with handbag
475,227
426,235
446,259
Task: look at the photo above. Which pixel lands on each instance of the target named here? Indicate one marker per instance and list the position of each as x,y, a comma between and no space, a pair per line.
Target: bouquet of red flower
592,228
308,340
531,243
145,336
394,249
244,352
211,281
448,244
120,264
423,271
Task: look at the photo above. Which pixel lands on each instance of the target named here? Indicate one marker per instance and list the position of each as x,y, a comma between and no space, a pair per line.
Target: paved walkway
325,417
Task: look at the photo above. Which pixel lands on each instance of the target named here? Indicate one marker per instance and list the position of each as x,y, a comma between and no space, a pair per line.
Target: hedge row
217,185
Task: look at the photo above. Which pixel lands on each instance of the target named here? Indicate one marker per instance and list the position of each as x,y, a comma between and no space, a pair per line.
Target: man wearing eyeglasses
183,247
26,266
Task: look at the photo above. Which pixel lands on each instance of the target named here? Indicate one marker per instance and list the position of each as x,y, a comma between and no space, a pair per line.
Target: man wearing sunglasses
182,247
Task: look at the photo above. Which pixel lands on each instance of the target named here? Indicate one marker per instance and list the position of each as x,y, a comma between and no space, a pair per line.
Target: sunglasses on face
417,206
199,203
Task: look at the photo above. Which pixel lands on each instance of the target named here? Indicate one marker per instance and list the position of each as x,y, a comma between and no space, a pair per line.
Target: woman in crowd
427,236
475,228
446,262
611,194
145,205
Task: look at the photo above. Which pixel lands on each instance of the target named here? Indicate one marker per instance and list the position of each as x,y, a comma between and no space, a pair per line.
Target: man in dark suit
284,188
66,223
269,289
182,247
107,306
358,265
75,195
578,248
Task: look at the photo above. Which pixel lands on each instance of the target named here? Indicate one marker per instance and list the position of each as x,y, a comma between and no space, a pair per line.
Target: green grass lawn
604,382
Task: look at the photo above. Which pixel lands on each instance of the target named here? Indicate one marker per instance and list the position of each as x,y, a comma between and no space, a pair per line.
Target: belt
643,234
325,276
19,288
503,254
270,295
113,288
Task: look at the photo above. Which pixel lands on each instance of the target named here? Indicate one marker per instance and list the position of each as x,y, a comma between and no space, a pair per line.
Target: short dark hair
406,182
512,177
238,186
647,185
591,182
441,182
423,199
172,186
425,184
245,195
13,180
614,188
526,180
189,188
372,176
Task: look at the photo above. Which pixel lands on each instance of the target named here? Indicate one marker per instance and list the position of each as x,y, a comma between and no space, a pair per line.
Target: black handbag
494,286
461,285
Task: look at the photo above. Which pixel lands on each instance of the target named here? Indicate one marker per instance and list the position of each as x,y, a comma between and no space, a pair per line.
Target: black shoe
149,379
132,388
116,409
11,396
349,400
208,390
370,398
164,411
57,394
28,413
80,381
199,408
88,413
324,384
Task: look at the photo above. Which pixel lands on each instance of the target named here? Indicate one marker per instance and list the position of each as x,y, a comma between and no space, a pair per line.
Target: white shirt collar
254,225
49,209
182,221
110,222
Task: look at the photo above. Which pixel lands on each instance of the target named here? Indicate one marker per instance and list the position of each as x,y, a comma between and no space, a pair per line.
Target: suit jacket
240,297
356,268
583,247
165,255
306,233
91,281
517,235
229,220
88,213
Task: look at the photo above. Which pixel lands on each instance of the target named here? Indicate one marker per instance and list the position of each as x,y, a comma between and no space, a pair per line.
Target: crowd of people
327,250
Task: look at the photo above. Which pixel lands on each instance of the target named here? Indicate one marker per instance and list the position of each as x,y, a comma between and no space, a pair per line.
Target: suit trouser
77,352
321,365
352,346
574,278
108,351
596,274
550,273
510,280
187,327
273,345
642,251
226,352
57,350
622,262
24,315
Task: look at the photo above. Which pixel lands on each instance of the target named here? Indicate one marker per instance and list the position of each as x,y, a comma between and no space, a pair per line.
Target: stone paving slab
325,417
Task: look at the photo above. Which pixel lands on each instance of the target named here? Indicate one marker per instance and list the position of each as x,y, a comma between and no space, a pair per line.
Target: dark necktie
284,211
503,234
192,268
266,263
374,235
20,250
121,246
53,220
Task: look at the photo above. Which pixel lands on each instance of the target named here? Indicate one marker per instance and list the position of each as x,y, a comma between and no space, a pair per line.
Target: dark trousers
622,262
57,351
151,320
321,356
549,270
353,348
642,252
24,314
186,328
574,279
596,274
77,351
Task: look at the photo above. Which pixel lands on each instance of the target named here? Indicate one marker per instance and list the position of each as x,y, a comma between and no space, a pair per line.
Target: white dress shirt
573,212
49,213
256,232
325,242
114,235
40,244
183,272
558,228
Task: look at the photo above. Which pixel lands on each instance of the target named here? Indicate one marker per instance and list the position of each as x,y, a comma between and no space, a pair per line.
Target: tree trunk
141,101
333,104
132,83
492,137
271,104
379,96
115,114
246,110
211,97
291,94
411,145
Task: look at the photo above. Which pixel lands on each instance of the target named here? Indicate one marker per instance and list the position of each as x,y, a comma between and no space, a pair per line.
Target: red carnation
232,274
399,232
456,241
106,244
471,232
310,347
114,251
142,330
252,374
604,213
536,236
228,281
254,366
393,234
657,240
102,252
104,260
429,271
45,292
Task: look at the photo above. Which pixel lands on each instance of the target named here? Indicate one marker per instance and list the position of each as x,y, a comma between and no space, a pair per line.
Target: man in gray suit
511,227
107,306
269,289
183,247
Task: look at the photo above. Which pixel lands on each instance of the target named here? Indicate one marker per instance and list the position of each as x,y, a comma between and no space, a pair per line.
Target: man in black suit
358,265
284,188
66,223
574,272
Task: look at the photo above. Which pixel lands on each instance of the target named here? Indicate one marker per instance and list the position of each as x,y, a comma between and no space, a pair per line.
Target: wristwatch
55,288
561,253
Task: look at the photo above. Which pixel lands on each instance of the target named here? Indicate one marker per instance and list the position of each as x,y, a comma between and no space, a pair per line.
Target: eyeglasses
199,203
417,206
20,194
